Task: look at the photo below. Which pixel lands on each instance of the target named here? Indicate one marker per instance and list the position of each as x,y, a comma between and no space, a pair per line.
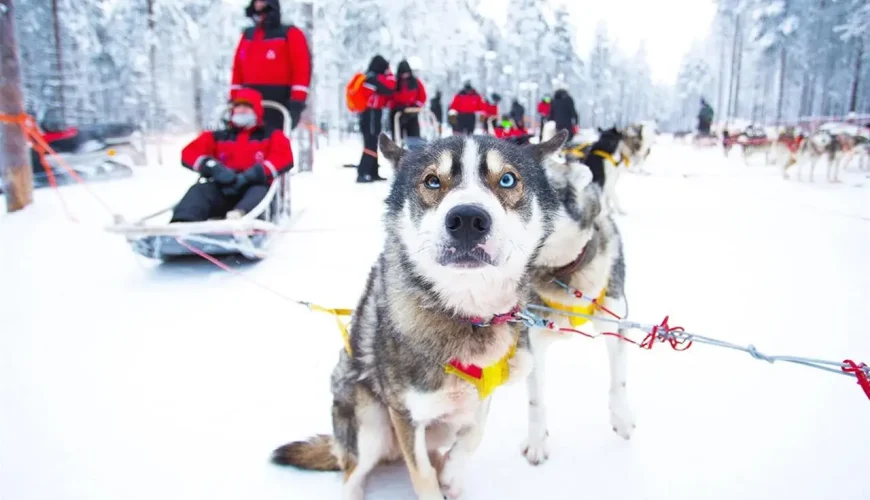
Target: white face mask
244,120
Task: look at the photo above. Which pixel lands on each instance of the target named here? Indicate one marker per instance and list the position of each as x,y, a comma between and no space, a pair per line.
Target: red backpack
356,94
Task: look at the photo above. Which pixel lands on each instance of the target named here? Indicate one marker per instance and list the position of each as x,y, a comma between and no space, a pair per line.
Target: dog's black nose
468,224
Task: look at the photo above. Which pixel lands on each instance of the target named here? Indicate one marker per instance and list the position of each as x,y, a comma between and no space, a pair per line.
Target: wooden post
308,118
15,170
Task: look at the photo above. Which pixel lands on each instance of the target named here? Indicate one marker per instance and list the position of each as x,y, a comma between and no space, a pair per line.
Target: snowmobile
248,235
94,152
428,128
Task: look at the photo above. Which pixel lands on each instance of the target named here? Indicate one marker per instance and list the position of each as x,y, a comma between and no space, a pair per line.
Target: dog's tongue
488,247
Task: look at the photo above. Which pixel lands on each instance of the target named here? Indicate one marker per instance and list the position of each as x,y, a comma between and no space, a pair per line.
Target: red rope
860,374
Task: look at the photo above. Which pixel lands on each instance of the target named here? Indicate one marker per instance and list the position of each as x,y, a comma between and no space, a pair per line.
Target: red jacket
502,132
405,97
241,149
384,87
544,108
275,61
489,109
467,101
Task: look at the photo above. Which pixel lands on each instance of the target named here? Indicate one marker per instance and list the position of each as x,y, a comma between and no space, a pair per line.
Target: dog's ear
600,130
391,151
550,146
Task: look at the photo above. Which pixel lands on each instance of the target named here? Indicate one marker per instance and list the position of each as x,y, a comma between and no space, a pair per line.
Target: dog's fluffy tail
313,454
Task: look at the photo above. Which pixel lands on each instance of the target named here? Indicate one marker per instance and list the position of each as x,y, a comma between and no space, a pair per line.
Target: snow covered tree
602,85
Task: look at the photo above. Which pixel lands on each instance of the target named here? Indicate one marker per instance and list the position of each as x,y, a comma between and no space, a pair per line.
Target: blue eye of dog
508,180
432,182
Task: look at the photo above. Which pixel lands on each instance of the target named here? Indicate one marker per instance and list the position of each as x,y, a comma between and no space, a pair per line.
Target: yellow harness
486,379
586,309
608,156
577,150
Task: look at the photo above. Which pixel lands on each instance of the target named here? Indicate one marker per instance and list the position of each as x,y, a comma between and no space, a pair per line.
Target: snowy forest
169,61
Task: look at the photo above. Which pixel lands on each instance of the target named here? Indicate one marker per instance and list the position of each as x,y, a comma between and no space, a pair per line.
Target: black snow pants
204,201
465,123
370,125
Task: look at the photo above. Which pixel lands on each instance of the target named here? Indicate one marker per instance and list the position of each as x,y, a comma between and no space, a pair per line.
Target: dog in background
606,156
583,253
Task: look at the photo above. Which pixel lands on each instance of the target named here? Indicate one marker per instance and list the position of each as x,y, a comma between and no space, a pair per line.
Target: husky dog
584,252
787,145
753,140
607,154
821,144
465,219
638,140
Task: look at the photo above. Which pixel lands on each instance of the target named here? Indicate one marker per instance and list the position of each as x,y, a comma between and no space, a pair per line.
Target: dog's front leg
467,441
412,441
535,448
621,416
610,189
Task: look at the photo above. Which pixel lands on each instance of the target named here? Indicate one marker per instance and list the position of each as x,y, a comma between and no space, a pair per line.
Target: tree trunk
152,63
733,73
15,169
739,56
197,98
308,119
856,79
58,47
720,97
783,60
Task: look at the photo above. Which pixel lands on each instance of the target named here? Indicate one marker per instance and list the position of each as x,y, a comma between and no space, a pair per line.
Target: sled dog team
477,228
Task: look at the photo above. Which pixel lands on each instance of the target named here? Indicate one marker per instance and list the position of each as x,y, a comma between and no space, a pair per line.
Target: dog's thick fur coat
391,395
584,252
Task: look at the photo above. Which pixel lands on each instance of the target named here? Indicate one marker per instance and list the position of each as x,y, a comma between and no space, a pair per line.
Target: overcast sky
668,26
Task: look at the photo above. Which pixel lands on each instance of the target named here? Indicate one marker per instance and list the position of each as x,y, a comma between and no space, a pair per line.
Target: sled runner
248,235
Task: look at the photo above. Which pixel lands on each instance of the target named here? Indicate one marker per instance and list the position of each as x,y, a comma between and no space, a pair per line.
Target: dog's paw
536,450
621,416
450,480
355,492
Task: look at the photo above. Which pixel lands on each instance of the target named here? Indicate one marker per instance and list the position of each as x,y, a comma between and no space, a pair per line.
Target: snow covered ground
122,378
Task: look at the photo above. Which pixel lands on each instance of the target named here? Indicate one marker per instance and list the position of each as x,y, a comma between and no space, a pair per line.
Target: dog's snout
468,224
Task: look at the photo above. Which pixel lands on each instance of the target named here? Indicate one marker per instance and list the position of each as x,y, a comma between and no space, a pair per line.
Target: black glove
217,171
253,176
295,108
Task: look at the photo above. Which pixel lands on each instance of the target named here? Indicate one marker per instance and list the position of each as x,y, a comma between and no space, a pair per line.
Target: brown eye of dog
432,182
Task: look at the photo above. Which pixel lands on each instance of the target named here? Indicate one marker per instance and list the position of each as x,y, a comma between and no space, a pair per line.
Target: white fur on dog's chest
454,404
457,401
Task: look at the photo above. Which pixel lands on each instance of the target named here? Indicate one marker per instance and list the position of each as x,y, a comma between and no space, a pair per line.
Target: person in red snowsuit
273,59
410,93
543,114
382,85
237,164
464,107
489,111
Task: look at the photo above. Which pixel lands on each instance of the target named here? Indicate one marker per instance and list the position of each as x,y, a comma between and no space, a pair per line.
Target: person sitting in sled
507,128
237,164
